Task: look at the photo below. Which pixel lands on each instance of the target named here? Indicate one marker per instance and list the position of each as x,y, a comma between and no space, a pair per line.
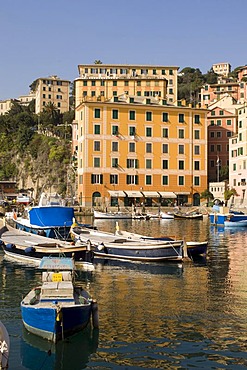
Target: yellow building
107,80
52,90
132,150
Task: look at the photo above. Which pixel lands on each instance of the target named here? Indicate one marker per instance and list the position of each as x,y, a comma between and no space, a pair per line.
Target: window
115,114
240,136
115,146
102,83
93,83
96,146
165,132
197,165
196,149
197,181
240,124
170,72
148,116
218,148
96,179
211,148
148,131
148,163
197,134
211,164
115,130
165,164
97,129
132,179
96,162
132,147
228,134
180,180
132,115
197,118
181,149
171,91
181,117
221,112
165,117
148,180
181,165
148,148
181,134
132,163
114,162
96,113
113,179
84,83
212,113
164,148
165,180
139,83
126,83
218,122
114,83
132,130
212,134
234,167
212,123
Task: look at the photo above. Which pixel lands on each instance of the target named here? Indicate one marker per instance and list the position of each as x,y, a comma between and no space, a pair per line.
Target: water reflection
73,353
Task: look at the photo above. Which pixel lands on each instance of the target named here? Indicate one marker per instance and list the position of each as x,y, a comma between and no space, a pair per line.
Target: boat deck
25,239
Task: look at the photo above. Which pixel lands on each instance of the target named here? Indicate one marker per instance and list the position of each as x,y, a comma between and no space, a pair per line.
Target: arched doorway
196,199
96,199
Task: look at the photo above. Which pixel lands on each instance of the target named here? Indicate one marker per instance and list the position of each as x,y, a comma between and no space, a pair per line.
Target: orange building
134,149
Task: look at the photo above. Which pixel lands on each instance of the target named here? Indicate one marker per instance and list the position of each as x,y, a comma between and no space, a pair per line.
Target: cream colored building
107,80
5,106
52,90
26,99
238,159
222,69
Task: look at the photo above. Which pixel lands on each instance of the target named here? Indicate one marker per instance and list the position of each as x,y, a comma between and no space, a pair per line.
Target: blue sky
40,38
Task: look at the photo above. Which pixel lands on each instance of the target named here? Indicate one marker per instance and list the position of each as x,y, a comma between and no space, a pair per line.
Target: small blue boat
58,308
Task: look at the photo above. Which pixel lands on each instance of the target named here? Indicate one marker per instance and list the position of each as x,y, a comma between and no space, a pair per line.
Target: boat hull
43,321
195,249
188,217
109,215
170,251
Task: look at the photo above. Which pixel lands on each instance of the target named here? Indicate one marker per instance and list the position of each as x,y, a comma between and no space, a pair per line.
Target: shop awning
167,194
133,194
117,193
150,194
182,192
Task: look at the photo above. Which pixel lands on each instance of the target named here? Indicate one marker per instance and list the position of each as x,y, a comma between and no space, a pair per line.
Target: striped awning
150,194
182,192
133,194
117,193
167,194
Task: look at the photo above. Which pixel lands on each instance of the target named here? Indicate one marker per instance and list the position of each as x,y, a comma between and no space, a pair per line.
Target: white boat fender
101,246
95,314
89,245
4,347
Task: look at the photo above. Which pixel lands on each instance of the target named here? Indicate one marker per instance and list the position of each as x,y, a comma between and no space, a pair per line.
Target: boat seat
57,290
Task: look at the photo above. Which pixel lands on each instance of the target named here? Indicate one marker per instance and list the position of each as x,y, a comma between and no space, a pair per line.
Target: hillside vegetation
35,150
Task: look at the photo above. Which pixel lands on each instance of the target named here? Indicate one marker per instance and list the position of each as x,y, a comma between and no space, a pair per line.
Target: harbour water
152,316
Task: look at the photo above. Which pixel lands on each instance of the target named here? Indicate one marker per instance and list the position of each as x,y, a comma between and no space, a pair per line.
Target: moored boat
124,245
188,215
112,215
166,215
29,248
59,307
51,217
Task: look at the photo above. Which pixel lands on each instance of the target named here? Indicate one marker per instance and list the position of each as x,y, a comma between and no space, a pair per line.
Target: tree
206,194
230,192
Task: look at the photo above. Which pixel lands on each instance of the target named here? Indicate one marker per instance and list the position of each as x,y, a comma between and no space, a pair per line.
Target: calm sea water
152,316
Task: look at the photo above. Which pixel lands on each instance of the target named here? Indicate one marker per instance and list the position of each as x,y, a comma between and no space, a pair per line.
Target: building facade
52,90
134,150
222,69
222,125
238,159
106,80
